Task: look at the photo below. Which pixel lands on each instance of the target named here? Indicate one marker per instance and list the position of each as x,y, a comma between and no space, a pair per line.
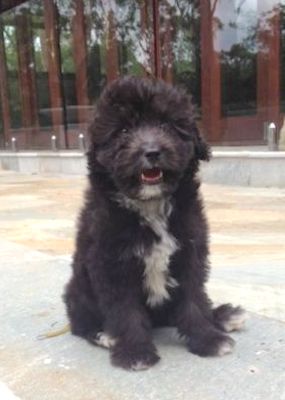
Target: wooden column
80,60
210,74
4,93
268,62
146,32
112,62
53,61
26,72
166,42
156,42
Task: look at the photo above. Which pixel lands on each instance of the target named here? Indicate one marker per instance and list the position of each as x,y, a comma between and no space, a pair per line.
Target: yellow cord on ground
55,333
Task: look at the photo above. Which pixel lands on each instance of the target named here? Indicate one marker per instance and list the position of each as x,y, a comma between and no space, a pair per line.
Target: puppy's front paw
102,339
212,343
134,357
229,318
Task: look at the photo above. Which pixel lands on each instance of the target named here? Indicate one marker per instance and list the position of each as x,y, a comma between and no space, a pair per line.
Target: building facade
57,55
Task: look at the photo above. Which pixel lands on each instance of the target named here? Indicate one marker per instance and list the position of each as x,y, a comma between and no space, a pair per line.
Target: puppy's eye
183,133
124,130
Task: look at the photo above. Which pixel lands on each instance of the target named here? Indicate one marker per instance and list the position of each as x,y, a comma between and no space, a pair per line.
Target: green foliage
10,43
14,99
67,60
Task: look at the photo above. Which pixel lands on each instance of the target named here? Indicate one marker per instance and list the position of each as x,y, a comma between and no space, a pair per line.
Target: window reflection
11,58
119,41
236,28
67,62
59,54
180,44
41,63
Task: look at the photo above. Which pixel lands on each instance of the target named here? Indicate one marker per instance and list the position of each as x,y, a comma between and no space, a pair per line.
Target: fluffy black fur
141,125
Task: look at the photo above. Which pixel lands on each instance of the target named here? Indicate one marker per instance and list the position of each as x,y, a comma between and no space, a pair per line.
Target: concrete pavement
37,217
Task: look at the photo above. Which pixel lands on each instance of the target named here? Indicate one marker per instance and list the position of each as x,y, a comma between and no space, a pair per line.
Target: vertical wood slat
166,43
4,93
148,67
210,75
268,62
26,73
53,62
80,60
156,41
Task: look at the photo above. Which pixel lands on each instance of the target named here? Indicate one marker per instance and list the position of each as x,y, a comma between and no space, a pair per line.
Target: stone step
230,167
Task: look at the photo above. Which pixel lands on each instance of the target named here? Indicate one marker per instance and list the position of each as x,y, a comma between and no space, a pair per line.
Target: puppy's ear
202,148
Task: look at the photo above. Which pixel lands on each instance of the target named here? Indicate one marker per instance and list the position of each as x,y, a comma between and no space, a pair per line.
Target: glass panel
119,41
237,77
180,44
66,13
61,53
31,74
41,63
10,44
26,63
237,43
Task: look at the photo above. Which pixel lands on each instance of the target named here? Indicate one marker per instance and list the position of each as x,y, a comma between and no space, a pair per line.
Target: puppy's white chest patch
157,279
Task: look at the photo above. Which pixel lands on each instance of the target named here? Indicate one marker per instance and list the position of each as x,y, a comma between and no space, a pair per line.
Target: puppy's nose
152,155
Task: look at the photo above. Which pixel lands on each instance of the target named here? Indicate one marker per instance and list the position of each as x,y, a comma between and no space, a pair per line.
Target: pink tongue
153,173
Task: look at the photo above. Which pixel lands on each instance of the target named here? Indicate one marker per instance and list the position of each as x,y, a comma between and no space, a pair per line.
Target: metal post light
81,142
53,143
14,144
272,141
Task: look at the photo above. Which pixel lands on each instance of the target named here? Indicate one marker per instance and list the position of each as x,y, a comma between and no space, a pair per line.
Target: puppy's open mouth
151,176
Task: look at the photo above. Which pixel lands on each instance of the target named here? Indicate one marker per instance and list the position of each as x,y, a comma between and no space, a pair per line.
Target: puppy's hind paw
134,357
212,344
229,318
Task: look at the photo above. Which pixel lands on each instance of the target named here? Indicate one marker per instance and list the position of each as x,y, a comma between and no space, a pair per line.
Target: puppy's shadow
167,337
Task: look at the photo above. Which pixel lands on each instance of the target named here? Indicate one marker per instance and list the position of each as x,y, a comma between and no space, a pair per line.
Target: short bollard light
272,137
81,142
53,143
14,144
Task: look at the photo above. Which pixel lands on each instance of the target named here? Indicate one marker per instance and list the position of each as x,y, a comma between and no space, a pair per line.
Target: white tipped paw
104,340
236,321
225,347
213,343
140,366
135,357
229,318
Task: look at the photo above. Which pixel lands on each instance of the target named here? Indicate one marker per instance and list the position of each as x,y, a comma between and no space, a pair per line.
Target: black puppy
142,243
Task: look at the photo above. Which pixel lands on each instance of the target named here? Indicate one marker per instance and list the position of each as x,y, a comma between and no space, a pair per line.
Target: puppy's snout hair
152,142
